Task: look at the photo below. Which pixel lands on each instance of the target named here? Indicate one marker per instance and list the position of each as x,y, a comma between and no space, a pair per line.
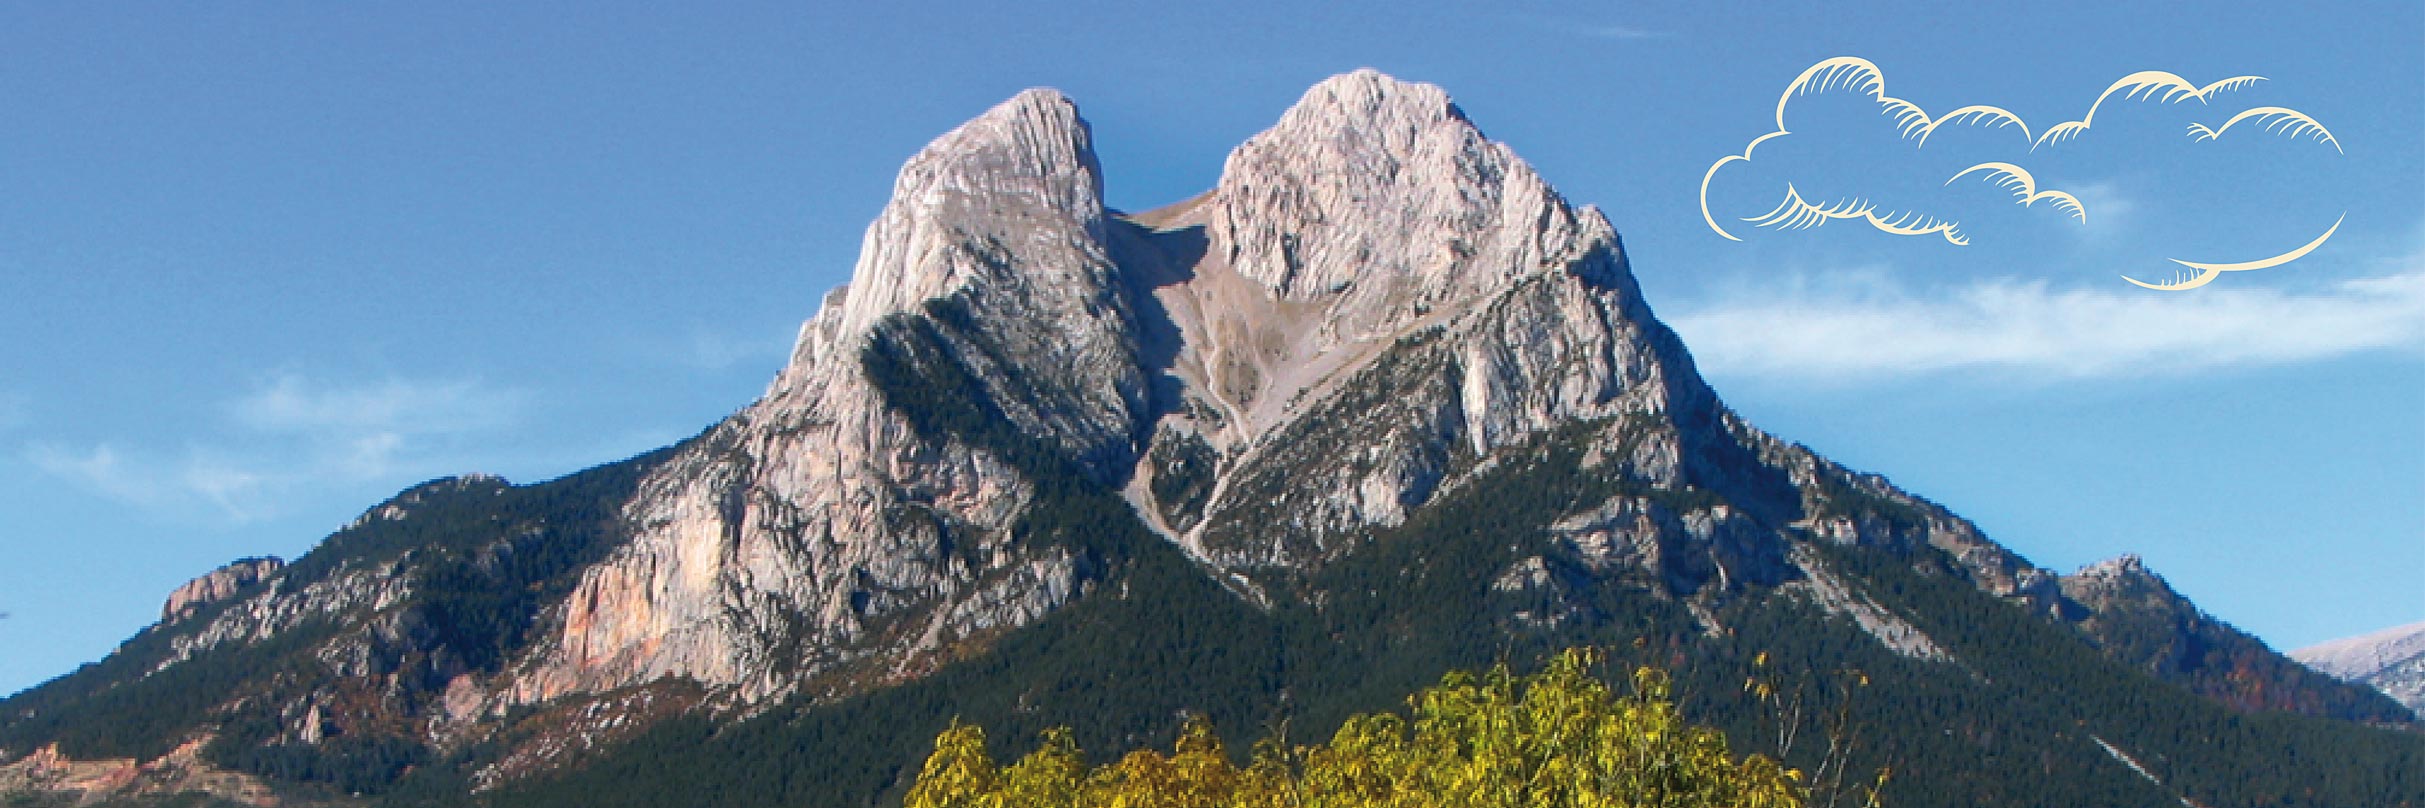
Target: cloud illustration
2146,85
2280,120
1855,75
1795,213
2206,272
2024,187
1864,162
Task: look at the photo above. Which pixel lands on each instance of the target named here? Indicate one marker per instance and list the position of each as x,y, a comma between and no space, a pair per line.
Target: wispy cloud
2116,207
360,430
229,487
1572,25
292,403
715,352
98,468
2040,332
193,481
292,433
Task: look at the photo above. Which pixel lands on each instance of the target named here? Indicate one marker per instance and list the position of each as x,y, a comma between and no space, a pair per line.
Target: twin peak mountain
1381,395
1376,305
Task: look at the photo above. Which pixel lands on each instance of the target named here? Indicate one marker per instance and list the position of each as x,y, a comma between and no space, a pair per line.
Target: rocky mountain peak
2128,565
1019,177
1381,194
1032,148
2122,580
1033,143
1370,101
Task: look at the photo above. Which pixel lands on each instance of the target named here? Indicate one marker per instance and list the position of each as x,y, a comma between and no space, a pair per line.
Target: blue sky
261,265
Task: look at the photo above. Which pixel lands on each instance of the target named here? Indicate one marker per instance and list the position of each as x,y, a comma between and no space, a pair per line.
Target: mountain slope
1380,404
2391,660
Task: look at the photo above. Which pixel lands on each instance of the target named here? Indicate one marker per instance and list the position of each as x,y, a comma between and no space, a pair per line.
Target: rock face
217,585
2391,660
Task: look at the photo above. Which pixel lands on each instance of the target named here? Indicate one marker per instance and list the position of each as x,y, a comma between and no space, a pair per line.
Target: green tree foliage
1553,739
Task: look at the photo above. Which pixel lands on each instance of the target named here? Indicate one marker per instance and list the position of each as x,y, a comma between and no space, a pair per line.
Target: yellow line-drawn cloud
2280,120
1997,117
2208,272
1915,125
1797,214
2165,87
2024,187
1911,122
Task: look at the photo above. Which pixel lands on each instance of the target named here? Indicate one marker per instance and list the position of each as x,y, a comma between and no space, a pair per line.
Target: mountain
1379,404
2391,660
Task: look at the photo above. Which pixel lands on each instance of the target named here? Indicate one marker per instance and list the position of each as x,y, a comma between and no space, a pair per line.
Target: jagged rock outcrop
2391,660
216,586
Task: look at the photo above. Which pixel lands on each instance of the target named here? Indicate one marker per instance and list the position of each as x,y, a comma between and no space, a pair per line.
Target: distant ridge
2391,660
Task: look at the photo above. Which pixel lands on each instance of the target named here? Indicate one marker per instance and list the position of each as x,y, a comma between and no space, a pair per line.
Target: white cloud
192,483
230,488
97,468
296,433
2115,206
2038,332
291,403
716,352
361,431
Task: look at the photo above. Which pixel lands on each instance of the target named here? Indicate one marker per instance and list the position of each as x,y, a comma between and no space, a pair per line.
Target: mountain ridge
2391,660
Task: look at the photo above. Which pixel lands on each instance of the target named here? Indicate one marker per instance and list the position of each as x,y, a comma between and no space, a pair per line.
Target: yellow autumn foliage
1556,739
